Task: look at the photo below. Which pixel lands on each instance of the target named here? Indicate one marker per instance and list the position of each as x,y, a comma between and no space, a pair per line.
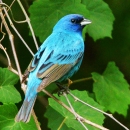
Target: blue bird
57,59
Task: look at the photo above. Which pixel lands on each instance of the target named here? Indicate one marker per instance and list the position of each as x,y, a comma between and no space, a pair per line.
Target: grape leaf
55,120
50,12
8,93
7,115
101,17
85,111
112,90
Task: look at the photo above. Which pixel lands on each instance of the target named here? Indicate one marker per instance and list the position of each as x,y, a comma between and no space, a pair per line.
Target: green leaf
50,12
101,17
7,115
8,93
53,122
85,111
112,90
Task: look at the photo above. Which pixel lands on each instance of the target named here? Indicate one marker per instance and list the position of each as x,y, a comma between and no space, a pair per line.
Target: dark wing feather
54,73
33,64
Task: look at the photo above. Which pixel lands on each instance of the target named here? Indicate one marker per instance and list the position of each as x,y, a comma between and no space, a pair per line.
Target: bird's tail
25,110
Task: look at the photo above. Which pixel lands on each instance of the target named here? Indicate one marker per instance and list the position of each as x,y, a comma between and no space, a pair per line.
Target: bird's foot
62,90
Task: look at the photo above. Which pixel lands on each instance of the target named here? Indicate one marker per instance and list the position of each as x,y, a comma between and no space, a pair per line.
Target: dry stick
81,80
76,81
75,114
11,38
28,21
12,25
109,115
69,109
2,33
9,61
4,49
36,120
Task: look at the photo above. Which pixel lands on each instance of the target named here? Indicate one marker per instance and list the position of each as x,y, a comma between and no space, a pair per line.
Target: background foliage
107,60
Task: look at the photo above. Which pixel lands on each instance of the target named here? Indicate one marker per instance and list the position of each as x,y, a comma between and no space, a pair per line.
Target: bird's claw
63,89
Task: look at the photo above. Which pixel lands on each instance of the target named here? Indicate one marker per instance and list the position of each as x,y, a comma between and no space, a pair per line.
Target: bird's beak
85,22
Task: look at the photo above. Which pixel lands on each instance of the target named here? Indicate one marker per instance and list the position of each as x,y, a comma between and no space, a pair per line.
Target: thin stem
12,25
2,33
36,121
61,124
81,80
82,123
77,81
109,115
69,109
75,114
4,49
28,21
11,38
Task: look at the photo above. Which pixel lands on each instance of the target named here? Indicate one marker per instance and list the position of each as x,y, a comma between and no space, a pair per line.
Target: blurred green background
97,54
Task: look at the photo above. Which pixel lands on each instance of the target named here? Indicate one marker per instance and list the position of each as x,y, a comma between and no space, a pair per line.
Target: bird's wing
62,57
56,56
54,72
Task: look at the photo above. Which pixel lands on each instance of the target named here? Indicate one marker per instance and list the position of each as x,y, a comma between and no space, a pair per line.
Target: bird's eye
73,20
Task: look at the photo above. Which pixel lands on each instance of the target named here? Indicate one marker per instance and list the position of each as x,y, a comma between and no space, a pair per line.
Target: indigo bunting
57,59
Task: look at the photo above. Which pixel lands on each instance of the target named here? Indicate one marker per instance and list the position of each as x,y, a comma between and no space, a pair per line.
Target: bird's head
71,23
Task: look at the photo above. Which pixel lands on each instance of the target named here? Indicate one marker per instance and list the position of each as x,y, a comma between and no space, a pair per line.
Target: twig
11,38
36,121
28,21
75,114
78,80
69,109
2,33
12,25
109,115
81,80
4,49
8,59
